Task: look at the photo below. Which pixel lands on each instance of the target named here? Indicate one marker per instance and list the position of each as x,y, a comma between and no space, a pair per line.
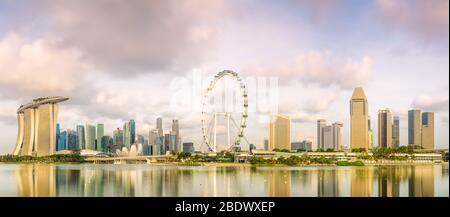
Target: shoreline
232,164
304,165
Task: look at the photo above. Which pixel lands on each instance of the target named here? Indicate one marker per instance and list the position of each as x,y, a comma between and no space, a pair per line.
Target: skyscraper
332,138
279,132
370,133
172,142
100,134
414,128
428,130
385,128
58,132
140,139
89,137
118,140
321,124
166,140
154,141
337,135
176,130
72,138
62,141
160,142
327,135
396,132
359,129
132,125
107,144
126,135
37,127
159,126
81,143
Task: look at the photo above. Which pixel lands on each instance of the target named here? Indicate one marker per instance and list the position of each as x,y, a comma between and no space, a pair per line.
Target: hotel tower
37,127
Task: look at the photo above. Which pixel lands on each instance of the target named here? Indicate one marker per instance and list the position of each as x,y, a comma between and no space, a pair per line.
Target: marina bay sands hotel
37,127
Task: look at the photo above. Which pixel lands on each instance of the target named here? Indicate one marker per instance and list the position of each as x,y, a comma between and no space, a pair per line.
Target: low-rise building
303,145
188,147
263,153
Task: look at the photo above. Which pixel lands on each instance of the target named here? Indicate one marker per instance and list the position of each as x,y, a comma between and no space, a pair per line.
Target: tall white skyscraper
332,136
159,126
321,124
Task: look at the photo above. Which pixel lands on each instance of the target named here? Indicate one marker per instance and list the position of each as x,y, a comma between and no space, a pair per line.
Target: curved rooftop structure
41,101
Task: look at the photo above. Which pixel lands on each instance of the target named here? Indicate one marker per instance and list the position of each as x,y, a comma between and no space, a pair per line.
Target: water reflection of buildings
361,182
421,181
303,183
68,182
170,182
222,181
43,180
141,180
328,183
92,181
279,183
388,182
35,180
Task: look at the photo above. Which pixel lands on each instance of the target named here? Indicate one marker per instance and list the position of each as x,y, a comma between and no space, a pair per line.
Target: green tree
184,155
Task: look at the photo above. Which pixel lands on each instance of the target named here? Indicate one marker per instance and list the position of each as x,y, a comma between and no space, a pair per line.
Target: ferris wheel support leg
228,130
215,133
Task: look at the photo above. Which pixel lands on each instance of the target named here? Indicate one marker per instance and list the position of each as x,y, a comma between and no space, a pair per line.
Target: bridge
149,159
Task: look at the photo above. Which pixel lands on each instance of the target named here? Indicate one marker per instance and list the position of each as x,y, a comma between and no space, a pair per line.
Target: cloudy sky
120,60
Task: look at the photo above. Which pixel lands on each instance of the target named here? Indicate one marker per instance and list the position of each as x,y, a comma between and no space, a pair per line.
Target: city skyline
158,140
402,63
329,137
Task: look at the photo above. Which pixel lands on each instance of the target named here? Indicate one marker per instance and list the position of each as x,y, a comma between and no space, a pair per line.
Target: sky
120,60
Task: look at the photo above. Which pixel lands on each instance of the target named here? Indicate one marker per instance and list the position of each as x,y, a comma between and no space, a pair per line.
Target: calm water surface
65,180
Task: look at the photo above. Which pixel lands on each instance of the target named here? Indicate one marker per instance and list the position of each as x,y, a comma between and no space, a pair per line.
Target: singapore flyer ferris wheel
236,121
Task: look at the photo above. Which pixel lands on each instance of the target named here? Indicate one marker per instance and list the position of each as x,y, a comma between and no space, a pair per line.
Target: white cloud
319,103
142,37
303,117
323,68
431,103
7,115
34,68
